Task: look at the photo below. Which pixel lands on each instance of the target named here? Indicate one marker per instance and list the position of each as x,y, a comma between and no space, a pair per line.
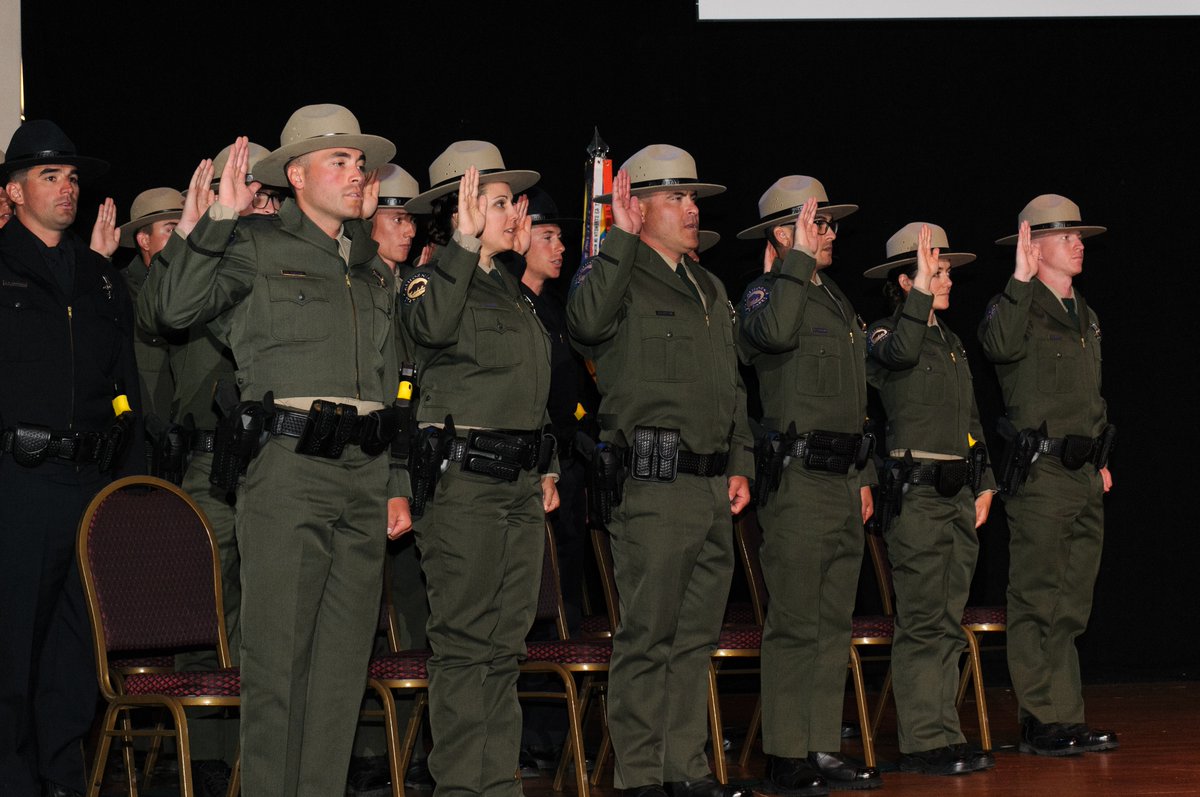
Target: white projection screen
941,9
10,69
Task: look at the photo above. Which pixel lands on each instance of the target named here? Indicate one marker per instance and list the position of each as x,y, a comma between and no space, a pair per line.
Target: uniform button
17,305
300,297
669,334
1058,355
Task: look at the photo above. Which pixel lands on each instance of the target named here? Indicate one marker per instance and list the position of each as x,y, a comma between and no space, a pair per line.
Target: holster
1104,446
893,477
172,448
978,457
770,451
380,428
425,466
238,438
654,455
1020,450
111,445
606,479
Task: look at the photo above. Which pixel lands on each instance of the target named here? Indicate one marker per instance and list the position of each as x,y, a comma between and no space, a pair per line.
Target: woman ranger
938,471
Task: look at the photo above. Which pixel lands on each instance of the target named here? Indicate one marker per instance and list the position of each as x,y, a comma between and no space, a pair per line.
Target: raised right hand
927,261
806,237
1029,256
234,193
471,217
199,198
627,210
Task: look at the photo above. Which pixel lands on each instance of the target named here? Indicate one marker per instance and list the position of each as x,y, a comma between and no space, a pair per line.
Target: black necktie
1070,305
691,286
61,268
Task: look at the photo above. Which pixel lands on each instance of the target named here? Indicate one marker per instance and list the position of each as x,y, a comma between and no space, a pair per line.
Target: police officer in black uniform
66,354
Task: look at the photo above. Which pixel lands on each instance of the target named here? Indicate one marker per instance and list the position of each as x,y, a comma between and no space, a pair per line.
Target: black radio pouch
31,444
1077,451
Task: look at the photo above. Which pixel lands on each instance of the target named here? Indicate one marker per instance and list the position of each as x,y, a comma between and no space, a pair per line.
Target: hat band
544,218
665,181
456,178
902,256
1055,225
393,201
155,213
42,155
779,214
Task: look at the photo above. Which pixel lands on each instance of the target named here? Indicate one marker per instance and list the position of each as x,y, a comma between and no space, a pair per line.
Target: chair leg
751,733
605,739
235,776
574,741
391,732
976,667
183,747
420,701
883,696
105,742
152,754
131,773
714,721
864,719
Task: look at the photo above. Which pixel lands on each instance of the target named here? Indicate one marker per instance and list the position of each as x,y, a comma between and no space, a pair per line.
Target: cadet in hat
152,219
485,377
661,332
801,334
303,287
67,356
1045,342
919,367
393,226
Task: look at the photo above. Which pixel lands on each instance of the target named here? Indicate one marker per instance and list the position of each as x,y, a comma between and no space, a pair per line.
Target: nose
558,248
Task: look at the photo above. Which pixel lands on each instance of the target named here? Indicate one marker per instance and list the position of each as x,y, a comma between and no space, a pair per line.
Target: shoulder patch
414,287
756,296
582,273
993,308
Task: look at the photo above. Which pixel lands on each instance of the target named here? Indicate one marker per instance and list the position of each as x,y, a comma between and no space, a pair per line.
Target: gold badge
414,287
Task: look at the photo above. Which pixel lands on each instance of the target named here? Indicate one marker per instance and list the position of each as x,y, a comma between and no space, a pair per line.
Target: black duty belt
656,455
519,447
77,447
929,474
203,441
689,462
288,423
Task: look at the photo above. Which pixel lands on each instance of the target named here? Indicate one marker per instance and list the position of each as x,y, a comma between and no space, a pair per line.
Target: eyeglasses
264,198
824,225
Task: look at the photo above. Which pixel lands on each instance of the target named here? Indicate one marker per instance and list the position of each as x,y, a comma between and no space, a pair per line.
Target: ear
295,175
15,193
142,237
782,234
906,283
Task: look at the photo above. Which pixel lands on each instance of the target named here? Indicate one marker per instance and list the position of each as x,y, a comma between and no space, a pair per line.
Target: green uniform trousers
481,542
933,547
672,546
1056,523
411,608
215,736
311,533
811,554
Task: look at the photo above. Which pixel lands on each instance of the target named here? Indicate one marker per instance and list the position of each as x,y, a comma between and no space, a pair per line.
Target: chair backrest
550,601
608,579
151,573
748,535
883,569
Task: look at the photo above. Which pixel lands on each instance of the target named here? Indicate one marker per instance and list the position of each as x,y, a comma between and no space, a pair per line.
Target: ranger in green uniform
662,335
484,362
153,217
807,344
313,514
1045,343
942,488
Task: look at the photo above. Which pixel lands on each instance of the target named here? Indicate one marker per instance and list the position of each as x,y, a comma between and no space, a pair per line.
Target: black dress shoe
938,761
793,776
979,760
417,776
653,790
844,773
705,787
56,790
1049,739
1092,740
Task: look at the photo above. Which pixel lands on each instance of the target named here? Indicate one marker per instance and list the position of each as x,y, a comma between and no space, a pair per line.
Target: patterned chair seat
595,625
409,665
985,616
203,683
880,627
135,663
732,637
571,651
739,614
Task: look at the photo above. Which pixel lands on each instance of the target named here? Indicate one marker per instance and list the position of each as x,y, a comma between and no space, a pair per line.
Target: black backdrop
956,122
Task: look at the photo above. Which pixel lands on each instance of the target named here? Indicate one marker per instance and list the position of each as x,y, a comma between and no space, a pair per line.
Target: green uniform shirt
484,357
1047,363
925,382
299,320
150,349
808,347
662,358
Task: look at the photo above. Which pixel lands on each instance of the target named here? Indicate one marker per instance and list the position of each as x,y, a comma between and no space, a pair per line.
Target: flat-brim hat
901,249
662,167
708,239
317,127
155,204
1051,213
781,204
543,210
449,167
40,142
396,187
